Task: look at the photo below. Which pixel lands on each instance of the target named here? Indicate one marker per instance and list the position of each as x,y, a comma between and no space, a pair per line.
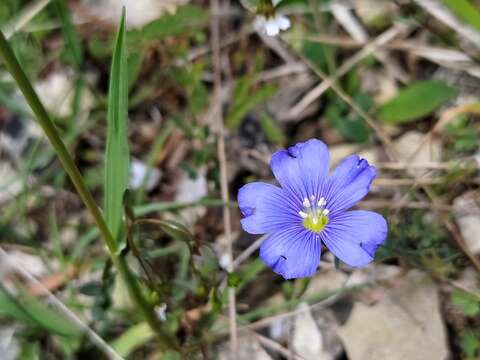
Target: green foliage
469,304
32,312
185,18
320,55
135,62
30,351
234,279
74,47
465,11
117,152
245,98
417,238
415,101
190,79
348,123
462,135
470,344
133,338
270,128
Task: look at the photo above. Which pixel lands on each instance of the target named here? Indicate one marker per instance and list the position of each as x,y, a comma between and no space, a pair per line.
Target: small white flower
273,25
161,312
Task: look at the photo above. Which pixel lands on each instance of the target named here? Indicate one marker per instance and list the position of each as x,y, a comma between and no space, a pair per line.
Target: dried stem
221,153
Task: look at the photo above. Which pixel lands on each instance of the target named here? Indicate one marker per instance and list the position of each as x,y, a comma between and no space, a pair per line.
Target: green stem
14,68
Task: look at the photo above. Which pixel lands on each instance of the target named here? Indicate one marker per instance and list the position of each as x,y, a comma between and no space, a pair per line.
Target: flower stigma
314,214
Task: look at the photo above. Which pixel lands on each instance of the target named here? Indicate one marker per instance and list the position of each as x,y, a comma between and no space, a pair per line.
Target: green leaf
271,129
245,99
234,279
415,101
320,55
30,351
135,61
468,303
117,154
71,39
31,311
133,338
466,11
470,343
185,17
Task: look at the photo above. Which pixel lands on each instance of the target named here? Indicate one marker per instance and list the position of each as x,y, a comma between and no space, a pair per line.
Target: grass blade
117,154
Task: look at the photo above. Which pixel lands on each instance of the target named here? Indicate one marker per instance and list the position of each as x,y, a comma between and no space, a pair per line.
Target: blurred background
397,82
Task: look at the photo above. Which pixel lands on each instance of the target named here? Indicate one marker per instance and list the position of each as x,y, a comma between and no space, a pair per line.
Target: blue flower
311,208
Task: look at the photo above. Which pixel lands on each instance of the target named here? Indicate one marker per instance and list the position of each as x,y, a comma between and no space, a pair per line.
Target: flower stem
14,68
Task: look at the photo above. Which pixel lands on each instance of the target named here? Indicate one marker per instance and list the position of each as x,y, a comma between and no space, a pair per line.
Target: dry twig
221,153
327,82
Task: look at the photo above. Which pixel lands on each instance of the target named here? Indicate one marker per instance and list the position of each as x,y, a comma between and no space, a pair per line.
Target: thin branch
249,251
353,26
221,153
447,57
274,346
443,14
321,88
389,204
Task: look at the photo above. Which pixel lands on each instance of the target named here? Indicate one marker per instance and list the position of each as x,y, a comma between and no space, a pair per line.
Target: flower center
314,214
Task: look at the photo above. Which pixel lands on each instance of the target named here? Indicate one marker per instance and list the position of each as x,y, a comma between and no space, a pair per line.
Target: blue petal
266,208
349,183
302,169
354,236
292,253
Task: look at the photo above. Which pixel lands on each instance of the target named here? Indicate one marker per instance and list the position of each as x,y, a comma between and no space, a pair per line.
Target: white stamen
322,201
303,214
314,219
312,198
306,203
325,212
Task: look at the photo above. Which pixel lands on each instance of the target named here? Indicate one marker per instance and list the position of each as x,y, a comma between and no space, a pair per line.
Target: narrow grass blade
117,154
72,41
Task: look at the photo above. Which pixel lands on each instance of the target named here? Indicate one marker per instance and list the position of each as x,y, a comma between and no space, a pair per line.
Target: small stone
8,344
139,12
411,149
57,92
467,214
248,349
138,172
10,182
191,190
307,338
34,264
327,281
405,324
339,152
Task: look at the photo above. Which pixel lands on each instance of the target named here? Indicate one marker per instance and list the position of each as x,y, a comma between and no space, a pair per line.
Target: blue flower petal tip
311,207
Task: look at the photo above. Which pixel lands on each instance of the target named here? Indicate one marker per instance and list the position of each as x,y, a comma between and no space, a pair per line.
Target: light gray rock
308,340
411,149
467,214
140,12
191,190
404,324
248,349
9,348
140,172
